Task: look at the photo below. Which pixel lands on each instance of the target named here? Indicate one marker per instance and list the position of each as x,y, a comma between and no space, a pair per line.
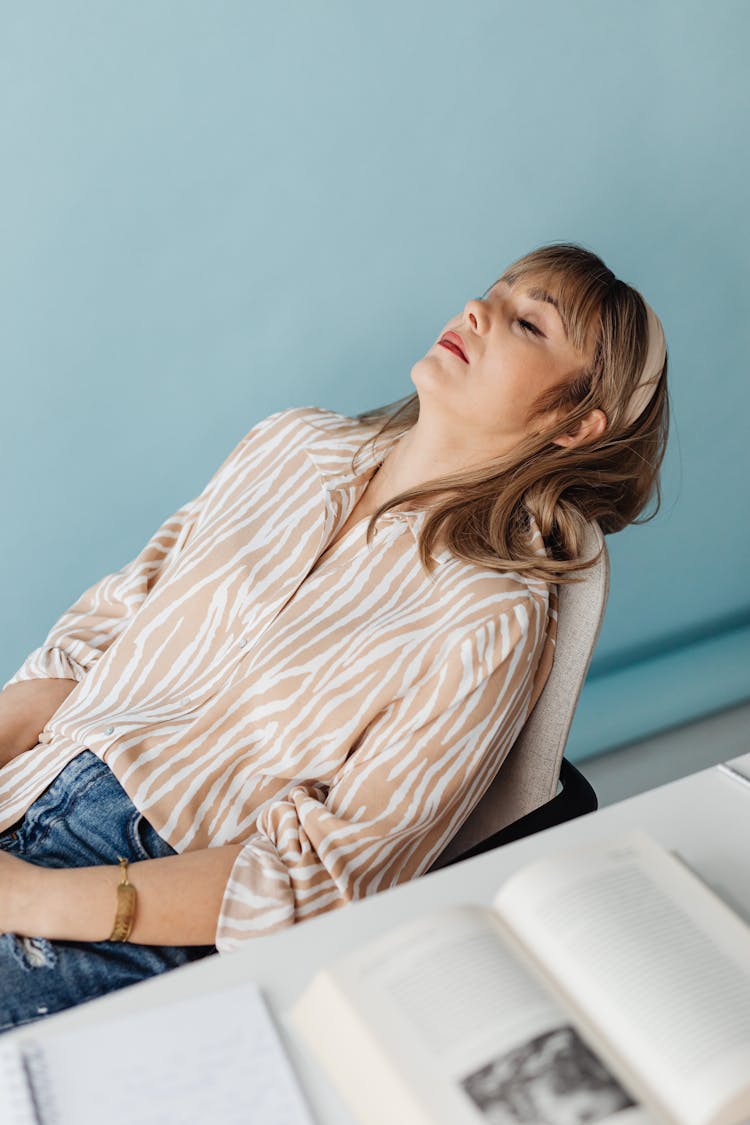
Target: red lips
453,342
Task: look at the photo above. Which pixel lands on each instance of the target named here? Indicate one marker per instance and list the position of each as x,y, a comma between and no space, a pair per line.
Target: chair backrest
529,774
576,798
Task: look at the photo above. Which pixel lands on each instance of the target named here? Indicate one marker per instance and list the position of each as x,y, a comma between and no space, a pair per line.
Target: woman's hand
21,894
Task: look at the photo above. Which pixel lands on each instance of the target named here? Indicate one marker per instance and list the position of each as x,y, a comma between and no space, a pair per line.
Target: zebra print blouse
339,721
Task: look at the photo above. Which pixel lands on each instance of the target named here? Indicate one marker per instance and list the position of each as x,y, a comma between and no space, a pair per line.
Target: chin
437,397
427,370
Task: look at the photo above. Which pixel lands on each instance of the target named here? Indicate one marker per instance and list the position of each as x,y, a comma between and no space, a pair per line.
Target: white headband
652,368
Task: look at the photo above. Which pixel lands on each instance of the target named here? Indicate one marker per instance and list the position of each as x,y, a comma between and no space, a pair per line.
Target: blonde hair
483,514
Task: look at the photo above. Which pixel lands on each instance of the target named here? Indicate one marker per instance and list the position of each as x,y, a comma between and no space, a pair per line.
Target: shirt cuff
46,663
258,898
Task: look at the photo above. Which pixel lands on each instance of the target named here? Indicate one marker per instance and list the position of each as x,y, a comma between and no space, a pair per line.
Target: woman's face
516,347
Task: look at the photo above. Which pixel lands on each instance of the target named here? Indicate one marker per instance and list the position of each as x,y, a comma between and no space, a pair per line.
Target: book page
209,1058
463,1027
16,1105
657,965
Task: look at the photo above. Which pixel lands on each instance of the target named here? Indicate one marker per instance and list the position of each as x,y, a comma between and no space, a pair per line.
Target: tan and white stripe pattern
340,721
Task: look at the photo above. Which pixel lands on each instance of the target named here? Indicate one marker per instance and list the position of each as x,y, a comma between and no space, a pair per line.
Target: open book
606,983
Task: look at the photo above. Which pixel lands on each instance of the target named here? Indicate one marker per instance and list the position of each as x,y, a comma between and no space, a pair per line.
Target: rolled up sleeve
403,790
90,626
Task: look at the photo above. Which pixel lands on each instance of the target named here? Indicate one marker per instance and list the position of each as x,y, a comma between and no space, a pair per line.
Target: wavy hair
483,514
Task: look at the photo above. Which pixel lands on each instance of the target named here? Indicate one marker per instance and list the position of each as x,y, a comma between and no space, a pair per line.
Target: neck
419,456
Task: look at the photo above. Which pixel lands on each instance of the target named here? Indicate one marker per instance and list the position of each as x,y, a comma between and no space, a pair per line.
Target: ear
588,429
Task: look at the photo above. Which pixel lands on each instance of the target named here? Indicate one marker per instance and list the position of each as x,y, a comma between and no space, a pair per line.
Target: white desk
704,816
737,768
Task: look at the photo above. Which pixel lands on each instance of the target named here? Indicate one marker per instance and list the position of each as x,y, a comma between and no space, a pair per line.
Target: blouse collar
332,453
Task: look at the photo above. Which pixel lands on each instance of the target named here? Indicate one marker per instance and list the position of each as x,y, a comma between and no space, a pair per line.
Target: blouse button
109,730
243,642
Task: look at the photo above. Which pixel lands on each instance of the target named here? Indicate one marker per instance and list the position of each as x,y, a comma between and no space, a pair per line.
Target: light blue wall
210,212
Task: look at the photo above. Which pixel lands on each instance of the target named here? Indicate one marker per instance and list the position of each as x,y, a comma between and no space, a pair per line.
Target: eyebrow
537,294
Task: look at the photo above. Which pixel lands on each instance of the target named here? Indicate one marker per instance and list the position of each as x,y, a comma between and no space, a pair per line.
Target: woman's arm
84,632
415,774
25,709
103,611
178,898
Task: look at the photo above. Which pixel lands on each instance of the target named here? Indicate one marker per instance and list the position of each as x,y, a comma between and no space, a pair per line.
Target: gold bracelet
125,906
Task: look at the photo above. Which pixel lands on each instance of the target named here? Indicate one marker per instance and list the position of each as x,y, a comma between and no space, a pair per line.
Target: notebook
213,1058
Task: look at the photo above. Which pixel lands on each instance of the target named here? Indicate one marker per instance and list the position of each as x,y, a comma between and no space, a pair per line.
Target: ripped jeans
83,818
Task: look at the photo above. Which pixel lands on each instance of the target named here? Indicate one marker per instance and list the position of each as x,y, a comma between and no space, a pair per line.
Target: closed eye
528,326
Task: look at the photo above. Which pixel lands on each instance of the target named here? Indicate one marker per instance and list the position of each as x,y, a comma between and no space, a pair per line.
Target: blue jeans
83,818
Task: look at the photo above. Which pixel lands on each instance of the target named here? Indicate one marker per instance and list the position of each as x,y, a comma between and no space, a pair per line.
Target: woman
303,684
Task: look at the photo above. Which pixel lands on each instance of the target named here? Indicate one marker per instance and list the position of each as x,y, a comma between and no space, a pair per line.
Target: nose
475,314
